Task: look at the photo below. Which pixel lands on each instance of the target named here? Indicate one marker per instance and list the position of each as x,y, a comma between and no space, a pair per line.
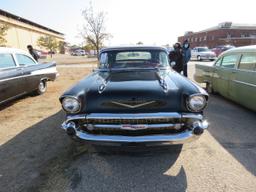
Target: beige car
233,75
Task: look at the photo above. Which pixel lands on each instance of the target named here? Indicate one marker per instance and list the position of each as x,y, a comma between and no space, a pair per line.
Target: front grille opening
132,121
140,132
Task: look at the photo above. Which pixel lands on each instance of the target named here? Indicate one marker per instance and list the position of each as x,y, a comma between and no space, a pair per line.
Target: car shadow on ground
35,156
233,126
128,169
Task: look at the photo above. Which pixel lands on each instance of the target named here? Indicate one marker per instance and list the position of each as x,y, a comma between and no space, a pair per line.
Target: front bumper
195,127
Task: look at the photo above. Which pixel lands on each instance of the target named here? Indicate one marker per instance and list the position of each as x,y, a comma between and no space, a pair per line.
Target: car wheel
199,58
209,88
42,87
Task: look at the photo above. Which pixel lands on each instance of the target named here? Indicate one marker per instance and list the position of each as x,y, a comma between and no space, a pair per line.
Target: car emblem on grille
132,105
133,127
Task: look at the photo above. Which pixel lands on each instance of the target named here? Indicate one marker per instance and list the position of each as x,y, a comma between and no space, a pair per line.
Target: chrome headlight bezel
72,101
194,100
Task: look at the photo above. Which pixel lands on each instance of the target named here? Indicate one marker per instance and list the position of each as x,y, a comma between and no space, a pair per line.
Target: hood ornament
102,87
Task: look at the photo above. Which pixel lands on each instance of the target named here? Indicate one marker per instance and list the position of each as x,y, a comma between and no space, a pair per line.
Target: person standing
33,52
186,51
177,57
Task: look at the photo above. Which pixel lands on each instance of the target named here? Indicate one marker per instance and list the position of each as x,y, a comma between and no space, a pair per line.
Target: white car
202,53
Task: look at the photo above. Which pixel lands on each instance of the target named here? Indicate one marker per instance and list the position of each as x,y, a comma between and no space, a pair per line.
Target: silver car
202,53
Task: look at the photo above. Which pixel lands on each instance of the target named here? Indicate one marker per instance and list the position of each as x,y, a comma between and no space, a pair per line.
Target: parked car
202,53
41,54
78,53
134,97
21,74
219,49
233,75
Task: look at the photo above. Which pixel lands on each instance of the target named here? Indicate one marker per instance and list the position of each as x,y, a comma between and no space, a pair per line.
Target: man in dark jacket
33,52
177,57
186,56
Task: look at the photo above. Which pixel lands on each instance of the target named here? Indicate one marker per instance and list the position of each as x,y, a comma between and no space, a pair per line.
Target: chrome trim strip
22,76
244,83
192,116
14,97
132,106
147,126
132,115
135,116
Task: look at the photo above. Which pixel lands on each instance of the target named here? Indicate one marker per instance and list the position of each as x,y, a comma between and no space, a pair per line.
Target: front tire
42,87
198,58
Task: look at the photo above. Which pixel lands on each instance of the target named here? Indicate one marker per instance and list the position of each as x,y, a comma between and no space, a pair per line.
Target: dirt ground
30,136
37,156
69,59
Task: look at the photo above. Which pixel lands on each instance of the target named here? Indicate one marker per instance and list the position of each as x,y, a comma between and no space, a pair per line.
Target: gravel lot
36,155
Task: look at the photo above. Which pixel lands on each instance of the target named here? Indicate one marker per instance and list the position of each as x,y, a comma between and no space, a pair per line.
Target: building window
191,39
212,38
195,39
200,39
205,38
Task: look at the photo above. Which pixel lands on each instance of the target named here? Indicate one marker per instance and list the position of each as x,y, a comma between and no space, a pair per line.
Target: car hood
133,91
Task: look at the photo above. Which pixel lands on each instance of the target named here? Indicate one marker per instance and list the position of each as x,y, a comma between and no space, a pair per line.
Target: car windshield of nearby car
203,49
131,59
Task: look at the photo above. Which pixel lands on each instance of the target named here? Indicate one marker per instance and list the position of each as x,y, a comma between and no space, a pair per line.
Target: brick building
225,33
23,32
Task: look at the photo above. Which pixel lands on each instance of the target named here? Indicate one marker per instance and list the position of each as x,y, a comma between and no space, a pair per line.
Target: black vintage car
134,97
21,74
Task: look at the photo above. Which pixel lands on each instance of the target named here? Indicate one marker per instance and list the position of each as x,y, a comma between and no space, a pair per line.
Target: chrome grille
131,121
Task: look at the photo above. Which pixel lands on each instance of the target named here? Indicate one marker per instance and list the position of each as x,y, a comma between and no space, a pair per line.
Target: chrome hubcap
42,86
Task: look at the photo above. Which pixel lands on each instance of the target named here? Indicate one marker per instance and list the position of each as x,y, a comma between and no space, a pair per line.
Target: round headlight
196,103
71,105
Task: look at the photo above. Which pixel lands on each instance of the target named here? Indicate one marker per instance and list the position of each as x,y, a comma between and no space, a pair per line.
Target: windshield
203,49
134,59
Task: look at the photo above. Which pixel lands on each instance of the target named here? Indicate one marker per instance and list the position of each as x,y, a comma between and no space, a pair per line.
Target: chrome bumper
177,138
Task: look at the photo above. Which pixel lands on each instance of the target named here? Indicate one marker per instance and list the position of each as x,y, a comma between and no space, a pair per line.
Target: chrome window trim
244,83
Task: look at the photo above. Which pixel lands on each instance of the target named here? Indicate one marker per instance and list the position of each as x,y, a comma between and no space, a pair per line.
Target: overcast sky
157,22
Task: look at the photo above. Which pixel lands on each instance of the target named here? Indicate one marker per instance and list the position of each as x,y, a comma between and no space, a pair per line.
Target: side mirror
173,63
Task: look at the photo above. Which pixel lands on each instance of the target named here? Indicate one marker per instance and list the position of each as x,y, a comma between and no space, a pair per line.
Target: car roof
123,48
250,48
12,50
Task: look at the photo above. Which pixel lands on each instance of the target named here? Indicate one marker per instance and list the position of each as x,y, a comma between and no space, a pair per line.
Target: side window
248,62
163,58
24,60
6,61
229,61
104,60
218,62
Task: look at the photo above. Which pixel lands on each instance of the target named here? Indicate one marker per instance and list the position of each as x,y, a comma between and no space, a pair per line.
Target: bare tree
94,29
3,29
